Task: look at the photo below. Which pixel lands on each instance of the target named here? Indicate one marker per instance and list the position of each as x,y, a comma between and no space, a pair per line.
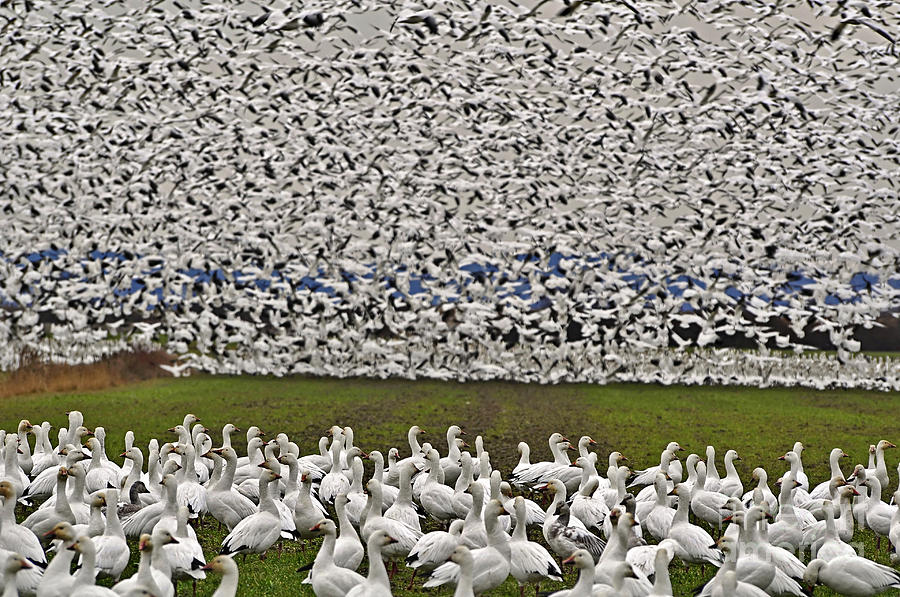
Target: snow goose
590,510
534,514
450,463
43,486
227,567
662,583
334,482
584,586
389,492
348,550
434,548
96,524
541,472
12,472
762,477
190,492
832,547
814,534
168,518
692,543
404,536
43,520
100,435
880,469
524,462
127,466
588,466
83,581
491,563
560,530
615,554
648,493
820,491
159,563
328,579
14,537
26,461
658,520
462,499
731,485
801,495
377,583
786,531
185,555
462,557
249,470
761,574
57,579
529,562
259,531
44,455
112,552
13,563
616,492
402,509
667,458
134,459
858,479
356,497
878,514
144,578
852,575
730,586
620,574
707,505
759,565
756,544
474,534
392,477
307,510
713,480
436,498
224,502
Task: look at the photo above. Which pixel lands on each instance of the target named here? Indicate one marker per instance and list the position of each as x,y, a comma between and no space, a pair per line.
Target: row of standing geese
90,505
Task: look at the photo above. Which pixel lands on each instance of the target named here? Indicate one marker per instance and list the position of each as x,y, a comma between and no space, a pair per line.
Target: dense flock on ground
622,529
538,191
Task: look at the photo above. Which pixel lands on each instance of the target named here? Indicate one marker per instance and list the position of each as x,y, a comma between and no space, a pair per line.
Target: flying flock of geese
540,191
87,506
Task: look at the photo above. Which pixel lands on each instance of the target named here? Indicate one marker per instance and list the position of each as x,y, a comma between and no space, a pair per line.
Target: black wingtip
197,564
41,565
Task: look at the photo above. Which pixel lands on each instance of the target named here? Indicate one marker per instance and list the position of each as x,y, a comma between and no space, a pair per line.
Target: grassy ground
634,419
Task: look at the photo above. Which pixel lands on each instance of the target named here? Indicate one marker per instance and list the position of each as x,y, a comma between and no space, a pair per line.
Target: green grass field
637,420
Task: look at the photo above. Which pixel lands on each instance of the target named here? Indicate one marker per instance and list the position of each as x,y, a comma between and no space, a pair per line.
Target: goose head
581,559
811,575
14,562
557,438
62,531
884,445
8,491
324,527
675,447
222,565
462,556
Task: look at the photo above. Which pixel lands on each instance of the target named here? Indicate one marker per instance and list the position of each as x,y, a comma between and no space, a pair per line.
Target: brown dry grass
36,375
